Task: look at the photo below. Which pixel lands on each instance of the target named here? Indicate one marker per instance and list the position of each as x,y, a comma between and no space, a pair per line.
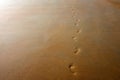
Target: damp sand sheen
59,40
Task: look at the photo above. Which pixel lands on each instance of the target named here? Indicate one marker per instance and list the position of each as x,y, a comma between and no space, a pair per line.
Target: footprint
74,38
78,31
72,69
77,51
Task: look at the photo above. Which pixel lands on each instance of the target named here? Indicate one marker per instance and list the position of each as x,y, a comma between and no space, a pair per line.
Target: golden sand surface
59,40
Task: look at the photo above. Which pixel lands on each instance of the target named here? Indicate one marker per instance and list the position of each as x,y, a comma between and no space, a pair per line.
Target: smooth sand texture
59,40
